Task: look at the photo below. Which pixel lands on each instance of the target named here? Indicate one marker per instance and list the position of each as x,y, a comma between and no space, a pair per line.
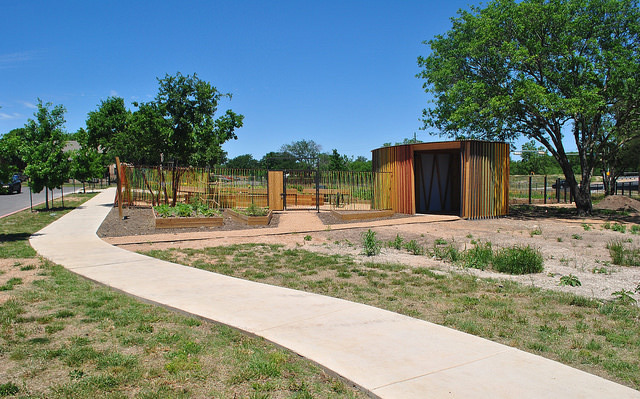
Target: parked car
563,185
14,186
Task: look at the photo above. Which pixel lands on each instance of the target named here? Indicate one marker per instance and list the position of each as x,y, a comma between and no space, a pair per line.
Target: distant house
468,178
71,145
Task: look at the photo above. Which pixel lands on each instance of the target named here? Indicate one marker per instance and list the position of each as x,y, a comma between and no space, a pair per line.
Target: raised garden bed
250,220
184,215
362,215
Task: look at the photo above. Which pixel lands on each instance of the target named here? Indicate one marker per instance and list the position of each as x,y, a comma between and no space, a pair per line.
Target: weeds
479,257
624,296
570,280
635,229
518,260
586,226
371,245
397,243
307,237
535,232
414,248
621,228
576,236
623,256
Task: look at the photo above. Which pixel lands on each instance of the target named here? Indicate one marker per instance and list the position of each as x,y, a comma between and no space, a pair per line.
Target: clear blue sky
341,73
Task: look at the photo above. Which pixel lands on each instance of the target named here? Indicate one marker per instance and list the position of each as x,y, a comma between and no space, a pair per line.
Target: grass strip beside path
62,336
602,338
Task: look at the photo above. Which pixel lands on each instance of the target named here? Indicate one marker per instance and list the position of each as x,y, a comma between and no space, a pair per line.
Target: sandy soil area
569,244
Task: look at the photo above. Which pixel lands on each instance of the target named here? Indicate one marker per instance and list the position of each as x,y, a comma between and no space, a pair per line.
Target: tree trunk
581,193
46,196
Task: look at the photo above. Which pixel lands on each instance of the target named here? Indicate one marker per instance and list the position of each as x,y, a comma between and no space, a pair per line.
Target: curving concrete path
386,354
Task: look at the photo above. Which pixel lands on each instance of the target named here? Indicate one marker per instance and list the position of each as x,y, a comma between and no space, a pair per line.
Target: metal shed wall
484,176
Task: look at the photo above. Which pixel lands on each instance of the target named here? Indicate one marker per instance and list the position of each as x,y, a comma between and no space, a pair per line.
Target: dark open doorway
437,181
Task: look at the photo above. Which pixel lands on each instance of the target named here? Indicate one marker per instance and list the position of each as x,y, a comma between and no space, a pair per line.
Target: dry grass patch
596,336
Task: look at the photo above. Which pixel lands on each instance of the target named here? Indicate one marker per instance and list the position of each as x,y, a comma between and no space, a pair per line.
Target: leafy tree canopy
245,161
42,148
306,151
539,69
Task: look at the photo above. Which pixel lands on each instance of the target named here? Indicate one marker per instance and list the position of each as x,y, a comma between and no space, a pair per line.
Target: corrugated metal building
467,178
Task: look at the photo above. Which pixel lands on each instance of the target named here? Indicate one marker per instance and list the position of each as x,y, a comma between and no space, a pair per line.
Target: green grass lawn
599,337
64,337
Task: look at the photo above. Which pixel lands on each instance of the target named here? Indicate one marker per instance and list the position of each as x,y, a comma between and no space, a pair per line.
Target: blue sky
341,73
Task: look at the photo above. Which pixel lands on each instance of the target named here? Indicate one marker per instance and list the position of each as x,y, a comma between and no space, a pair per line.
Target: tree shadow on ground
12,237
532,212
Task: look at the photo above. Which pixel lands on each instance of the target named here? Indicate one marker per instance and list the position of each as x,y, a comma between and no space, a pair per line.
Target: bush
518,260
623,256
371,246
449,253
479,257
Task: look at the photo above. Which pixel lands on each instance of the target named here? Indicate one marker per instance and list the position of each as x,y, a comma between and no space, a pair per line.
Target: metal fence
553,189
238,188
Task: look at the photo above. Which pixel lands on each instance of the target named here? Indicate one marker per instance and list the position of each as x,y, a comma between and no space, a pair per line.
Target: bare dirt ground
569,244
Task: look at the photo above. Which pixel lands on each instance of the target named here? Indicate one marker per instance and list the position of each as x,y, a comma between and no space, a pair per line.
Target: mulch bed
139,221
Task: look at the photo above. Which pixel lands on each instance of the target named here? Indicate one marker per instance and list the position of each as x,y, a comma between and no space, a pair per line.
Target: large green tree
541,69
193,136
306,151
108,131
43,148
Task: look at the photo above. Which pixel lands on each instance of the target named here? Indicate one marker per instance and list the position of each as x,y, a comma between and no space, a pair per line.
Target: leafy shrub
635,229
624,296
397,243
621,228
414,248
570,280
371,245
479,257
183,210
518,260
164,210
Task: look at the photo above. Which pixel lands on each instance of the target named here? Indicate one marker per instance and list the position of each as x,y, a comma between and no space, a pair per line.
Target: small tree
86,163
42,148
188,106
337,161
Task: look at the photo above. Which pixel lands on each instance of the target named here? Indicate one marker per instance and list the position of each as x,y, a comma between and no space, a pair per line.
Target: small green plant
8,389
371,245
576,236
164,210
307,237
8,286
600,270
559,239
448,253
414,248
397,242
479,257
518,260
624,296
535,232
440,241
620,228
255,210
635,229
606,226
570,280
586,226
183,210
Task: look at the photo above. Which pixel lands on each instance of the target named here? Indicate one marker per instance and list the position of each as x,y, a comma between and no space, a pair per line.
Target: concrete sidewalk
386,354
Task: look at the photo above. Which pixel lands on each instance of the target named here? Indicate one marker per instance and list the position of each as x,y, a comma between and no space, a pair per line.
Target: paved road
10,203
